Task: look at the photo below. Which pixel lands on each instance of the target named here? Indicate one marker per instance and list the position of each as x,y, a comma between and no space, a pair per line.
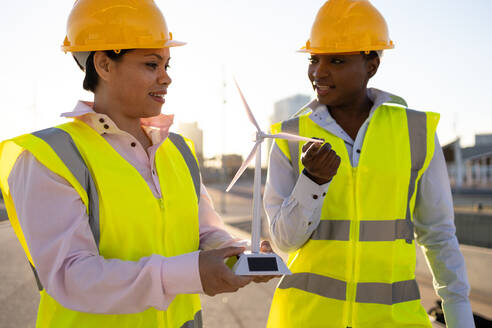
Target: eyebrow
158,56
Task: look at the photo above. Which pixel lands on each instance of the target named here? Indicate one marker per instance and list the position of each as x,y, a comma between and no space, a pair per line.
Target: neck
132,125
351,116
358,108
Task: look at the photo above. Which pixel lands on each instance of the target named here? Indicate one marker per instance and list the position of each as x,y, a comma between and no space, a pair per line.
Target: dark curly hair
91,78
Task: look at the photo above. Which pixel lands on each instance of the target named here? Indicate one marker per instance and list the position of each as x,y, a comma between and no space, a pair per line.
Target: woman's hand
265,248
320,162
216,277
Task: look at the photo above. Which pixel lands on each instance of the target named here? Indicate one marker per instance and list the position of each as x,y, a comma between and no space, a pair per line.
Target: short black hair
91,77
371,55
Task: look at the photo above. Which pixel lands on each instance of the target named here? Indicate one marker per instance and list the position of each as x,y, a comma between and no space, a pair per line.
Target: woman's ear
102,65
372,66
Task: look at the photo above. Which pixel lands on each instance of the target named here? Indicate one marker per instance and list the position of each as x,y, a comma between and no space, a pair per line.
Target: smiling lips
158,96
323,89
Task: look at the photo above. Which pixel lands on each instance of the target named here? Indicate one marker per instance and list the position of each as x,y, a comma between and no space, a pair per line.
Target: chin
151,114
152,111
332,100
326,101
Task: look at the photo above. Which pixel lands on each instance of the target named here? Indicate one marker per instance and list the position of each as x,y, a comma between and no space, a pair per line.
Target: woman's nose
164,78
321,70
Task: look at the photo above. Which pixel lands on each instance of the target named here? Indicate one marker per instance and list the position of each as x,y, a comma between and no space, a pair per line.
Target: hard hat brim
156,45
343,51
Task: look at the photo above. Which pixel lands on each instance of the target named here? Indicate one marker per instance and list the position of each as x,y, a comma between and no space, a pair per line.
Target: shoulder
28,171
304,111
181,141
290,125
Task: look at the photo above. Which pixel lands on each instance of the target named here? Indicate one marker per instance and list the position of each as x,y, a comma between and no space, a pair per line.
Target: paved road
248,308
19,297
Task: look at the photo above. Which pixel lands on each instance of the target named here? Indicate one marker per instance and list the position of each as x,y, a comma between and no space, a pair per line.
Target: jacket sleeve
435,229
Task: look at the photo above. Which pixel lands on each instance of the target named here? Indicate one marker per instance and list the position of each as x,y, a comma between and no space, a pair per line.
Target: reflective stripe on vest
292,126
381,293
316,284
332,230
36,276
185,151
417,128
197,321
378,293
377,230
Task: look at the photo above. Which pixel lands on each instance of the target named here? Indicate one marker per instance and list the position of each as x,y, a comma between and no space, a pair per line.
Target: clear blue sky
441,62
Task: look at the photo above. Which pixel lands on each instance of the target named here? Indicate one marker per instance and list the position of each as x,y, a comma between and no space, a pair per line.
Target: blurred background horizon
440,64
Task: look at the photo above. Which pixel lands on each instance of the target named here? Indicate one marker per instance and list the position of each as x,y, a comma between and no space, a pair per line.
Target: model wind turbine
254,262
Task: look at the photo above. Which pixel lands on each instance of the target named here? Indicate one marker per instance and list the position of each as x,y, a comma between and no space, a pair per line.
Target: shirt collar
321,116
157,127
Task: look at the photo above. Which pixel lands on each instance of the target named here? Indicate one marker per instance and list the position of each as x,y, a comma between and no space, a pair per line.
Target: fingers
266,247
308,144
310,152
315,153
325,155
312,149
230,251
325,148
235,281
215,276
262,279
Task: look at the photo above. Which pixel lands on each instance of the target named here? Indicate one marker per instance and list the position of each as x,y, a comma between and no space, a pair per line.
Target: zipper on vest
354,237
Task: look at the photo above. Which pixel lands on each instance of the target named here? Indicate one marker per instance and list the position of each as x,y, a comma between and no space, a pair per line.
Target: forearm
213,233
293,205
93,284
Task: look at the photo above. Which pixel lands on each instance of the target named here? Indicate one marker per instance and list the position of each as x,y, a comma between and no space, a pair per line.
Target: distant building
285,108
193,132
483,139
470,167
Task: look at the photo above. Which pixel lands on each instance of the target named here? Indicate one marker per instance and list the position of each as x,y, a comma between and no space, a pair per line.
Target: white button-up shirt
294,213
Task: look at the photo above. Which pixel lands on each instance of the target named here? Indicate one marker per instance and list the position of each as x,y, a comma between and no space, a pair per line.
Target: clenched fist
320,162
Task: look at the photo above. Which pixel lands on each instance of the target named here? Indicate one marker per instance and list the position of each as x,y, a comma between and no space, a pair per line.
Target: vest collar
322,117
157,127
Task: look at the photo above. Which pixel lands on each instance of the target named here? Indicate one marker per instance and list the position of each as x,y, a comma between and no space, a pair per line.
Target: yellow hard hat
344,26
95,25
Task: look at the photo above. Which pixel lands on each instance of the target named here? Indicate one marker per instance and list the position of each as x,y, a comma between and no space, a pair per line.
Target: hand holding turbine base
256,263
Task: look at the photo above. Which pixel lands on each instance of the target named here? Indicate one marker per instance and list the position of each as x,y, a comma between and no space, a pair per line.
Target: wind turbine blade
243,166
291,137
248,110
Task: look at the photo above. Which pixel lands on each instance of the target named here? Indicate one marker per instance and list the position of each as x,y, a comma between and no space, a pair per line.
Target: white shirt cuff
458,315
308,193
181,274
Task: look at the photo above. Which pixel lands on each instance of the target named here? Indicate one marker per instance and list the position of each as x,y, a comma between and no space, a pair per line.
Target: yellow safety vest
127,221
358,267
